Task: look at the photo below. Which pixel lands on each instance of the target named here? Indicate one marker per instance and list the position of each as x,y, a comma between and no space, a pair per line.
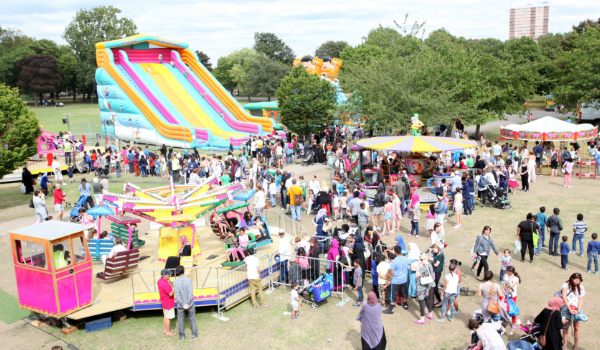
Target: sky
220,27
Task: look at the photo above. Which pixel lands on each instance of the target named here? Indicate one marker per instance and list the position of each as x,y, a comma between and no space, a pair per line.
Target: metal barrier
233,286
322,240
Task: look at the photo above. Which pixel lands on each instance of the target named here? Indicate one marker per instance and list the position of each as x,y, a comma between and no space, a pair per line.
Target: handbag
414,266
563,170
31,204
493,306
542,338
367,254
426,280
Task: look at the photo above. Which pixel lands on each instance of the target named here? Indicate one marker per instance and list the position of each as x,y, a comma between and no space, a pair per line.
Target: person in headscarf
336,269
27,180
372,333
319,220
413,257
313,252
44,183
186,247
357,250
551,319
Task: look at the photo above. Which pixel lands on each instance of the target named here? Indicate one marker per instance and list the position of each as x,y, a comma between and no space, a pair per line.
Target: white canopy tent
549,129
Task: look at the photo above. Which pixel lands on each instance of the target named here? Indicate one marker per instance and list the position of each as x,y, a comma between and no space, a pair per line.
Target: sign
201,222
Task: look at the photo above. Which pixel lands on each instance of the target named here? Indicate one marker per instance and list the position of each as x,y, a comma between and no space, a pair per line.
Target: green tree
273,47
331,48
579,70
19,130
265,76
307,102
205,60
68,67
90,27
525,54
9,72
356,58
242,63
578,29
11,39
385,38
45,47
39,74
490,45
550,45
222,73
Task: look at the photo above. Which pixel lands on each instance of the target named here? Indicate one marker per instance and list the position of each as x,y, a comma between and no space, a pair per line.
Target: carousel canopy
549,129
100,210
416,143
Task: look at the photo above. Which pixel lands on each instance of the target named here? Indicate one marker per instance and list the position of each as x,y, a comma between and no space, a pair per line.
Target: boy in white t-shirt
295,301
273,192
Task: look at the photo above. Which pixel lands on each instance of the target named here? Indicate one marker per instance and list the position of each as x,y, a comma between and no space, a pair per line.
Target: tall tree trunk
477,130
231,92
249,100
83,95
74,94
35,98
58,95
449,130
268,98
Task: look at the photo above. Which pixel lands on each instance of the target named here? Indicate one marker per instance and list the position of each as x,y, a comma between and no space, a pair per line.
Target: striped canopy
416,143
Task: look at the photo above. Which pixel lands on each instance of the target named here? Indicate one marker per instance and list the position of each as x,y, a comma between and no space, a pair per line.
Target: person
283,252
572,294
541,220
458,206
254,279
39,204
440,210
593,249
117,248
510,285
185,246
399,270
568,166
358,282
259,201
57,169
167,300
27,180
354,206
372,333
525,231
481,250
564,253
554,162
337,268
296,300
579,230
489,338
363,219
86,190
505,261
414,214
59,198
425,270
438,267
450,290
378,205
184,289
524,176
357,250
294,194
551,322
485,292
554,225
44,183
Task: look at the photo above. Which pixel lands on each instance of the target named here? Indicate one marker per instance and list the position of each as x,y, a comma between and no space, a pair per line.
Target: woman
458,207
414,215
413,260
481,187
425,270
27,180
568,165
319,220
572,294
510,285
259,201
485,291
525,231
313,252
458,272
525,176
372,237
41,213
337,269
247,221
552,324
357,250
438,267
450,291
481,250
489,338
531,167
372,333
117,248
554,162
186,247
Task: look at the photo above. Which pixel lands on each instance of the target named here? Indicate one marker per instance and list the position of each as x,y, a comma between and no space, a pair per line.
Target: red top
59,196
164,288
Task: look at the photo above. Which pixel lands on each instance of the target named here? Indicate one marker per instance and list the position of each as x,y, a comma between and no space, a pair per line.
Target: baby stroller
318,290
309,158
495,196
74,213
330,159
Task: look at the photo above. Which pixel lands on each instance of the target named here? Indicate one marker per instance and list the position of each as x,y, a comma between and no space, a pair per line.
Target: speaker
65,121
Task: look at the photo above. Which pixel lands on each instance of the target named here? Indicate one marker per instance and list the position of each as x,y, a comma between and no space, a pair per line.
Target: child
504,263
593,249
295,301
232,241
414,215
512,182
243,238
273,192
387,216
343,205
336,206
261,228
358,282
70,172
564,253
431,217
579,229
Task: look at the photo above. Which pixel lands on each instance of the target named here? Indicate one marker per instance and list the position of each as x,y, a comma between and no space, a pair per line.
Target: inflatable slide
156,91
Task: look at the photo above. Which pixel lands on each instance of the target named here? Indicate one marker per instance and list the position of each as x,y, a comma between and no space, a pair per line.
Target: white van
589,113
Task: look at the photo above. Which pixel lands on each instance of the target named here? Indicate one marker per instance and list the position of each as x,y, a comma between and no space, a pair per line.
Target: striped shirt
579,227
184,291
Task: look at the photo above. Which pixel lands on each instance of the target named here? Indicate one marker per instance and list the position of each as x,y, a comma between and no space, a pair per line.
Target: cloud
219,27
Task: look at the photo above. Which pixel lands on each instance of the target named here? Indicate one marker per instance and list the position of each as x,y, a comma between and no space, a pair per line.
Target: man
254,172
146,151
68,148
167,300
597,160
57,169
86,190
283,191
266,151
538,150
398,189
399,271
294,193
497,149
184,289
466,196
254,280
283,252
354,206
554,225
456,182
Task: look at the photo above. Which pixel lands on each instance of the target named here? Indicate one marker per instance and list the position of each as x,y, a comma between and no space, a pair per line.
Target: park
132,168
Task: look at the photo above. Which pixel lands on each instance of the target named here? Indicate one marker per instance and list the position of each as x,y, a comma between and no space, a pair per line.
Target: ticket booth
53,267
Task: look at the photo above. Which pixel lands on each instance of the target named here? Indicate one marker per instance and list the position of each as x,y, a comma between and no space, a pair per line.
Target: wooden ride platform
118,294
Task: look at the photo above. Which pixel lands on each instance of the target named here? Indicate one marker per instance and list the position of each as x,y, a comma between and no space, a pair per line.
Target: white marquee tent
549,129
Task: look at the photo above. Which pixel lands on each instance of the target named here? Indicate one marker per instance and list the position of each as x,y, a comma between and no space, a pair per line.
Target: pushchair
495,196
309,158
318,290
74,213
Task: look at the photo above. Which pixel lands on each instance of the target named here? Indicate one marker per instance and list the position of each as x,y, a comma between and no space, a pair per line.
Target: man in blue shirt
86,190
146,151
541,220
399,269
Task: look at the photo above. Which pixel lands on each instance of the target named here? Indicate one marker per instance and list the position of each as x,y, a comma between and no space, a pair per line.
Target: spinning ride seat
123,264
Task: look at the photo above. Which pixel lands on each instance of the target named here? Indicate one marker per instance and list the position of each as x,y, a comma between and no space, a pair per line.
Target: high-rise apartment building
529,20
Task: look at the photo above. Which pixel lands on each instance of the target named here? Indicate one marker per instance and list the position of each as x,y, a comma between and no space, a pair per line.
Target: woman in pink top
569,168
302,260
388,214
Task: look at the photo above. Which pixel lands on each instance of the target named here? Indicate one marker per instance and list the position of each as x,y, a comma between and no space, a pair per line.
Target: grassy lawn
51,118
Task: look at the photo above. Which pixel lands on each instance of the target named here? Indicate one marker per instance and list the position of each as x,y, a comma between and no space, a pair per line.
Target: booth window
78,249
31,253
62,254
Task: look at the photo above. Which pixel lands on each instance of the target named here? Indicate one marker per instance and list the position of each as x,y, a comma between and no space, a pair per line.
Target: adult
451,282
399,270
551,322
572,294
167,300
357,250
424,273
259,201
118,247
354,206
57,169
525,231
59,198
313,252
185,246
378,204
488,291
27,180
319,221
335,253
254,280
538,151
372,333
510,285
184,289
39,204
437,237
440,211
554,225
481,250
283,252
86,190
438,268
97,187
294,194
489,338
554,162
398,189
524,176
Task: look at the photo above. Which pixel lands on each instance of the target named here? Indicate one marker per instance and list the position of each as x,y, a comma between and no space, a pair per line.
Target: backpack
481,183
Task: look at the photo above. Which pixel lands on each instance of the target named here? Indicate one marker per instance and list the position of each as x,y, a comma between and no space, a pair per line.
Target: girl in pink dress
397,215
388,214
